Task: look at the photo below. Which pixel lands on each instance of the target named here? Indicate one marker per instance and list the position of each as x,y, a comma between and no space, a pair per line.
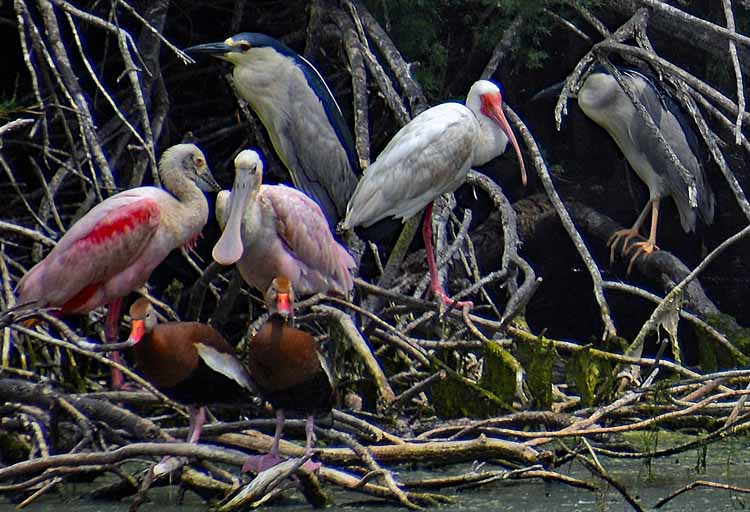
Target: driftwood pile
412,379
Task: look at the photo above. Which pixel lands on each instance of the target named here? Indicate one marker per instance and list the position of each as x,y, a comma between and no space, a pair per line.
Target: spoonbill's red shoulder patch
144,213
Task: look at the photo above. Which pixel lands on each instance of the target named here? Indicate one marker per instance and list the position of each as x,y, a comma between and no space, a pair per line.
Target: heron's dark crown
258,40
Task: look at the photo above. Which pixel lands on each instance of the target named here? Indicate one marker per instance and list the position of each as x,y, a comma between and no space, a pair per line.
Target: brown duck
289,371
190,362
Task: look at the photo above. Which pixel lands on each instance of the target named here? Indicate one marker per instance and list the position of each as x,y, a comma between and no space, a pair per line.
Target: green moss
713,356
593,375
12,449
458,397
589,374
499,371
537,359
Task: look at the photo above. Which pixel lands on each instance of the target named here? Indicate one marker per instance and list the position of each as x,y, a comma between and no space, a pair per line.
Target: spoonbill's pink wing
305,232
104,242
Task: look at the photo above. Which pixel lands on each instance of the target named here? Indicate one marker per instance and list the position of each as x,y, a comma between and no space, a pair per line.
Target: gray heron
304,123
606,103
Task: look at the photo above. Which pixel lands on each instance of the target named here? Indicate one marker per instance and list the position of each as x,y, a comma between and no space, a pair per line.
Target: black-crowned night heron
604,101
299,112
431,156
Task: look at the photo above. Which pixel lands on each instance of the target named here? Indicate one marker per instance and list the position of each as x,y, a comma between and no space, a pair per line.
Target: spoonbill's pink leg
435,285
111,333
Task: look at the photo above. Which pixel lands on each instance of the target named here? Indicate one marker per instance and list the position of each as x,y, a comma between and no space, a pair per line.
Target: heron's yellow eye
199,162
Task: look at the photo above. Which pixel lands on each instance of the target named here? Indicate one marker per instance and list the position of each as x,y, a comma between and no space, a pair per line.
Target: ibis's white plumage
431,156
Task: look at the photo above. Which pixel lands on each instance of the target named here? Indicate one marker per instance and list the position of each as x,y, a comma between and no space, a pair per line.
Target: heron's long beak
283,305
493,108
223,199
137,330
218,50
229,247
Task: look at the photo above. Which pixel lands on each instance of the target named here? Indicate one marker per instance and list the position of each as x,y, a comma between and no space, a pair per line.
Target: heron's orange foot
260,463
622,234
646,248
450,303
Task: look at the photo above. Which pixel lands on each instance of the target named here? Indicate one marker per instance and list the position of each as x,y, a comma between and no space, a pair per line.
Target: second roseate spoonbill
113,249
300,114
605,102
289,371
429,157
190,362
273,230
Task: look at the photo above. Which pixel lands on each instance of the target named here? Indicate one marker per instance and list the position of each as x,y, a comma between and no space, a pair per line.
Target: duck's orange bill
137,330
282,304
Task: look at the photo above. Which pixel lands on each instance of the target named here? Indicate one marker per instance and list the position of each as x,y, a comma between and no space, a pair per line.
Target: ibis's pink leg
435,285
309,425
111,333
258,463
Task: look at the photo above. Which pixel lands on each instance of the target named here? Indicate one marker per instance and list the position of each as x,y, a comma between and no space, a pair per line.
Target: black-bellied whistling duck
289,371
189,362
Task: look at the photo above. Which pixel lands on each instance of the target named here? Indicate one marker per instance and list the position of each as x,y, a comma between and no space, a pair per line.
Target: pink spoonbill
113,249
431,156
274,230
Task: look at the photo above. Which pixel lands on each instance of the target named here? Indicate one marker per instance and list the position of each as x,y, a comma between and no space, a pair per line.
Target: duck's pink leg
309,426
170,463
435,285
258,463
197,419
111,333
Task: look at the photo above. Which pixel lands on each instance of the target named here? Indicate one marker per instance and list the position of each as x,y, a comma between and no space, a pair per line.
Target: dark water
727,462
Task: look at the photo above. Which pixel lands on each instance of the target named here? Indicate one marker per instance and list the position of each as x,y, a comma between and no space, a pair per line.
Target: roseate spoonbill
190,362
431,156
113,249
605,102
273,230
300,114
289,371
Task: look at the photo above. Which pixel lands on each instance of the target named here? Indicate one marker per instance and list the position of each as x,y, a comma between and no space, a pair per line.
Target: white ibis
300,114
431,156
274,230
113,249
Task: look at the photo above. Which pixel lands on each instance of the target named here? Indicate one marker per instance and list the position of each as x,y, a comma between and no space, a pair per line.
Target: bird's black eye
244,46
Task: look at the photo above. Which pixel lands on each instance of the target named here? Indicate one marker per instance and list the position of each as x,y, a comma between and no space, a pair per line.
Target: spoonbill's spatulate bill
274,230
